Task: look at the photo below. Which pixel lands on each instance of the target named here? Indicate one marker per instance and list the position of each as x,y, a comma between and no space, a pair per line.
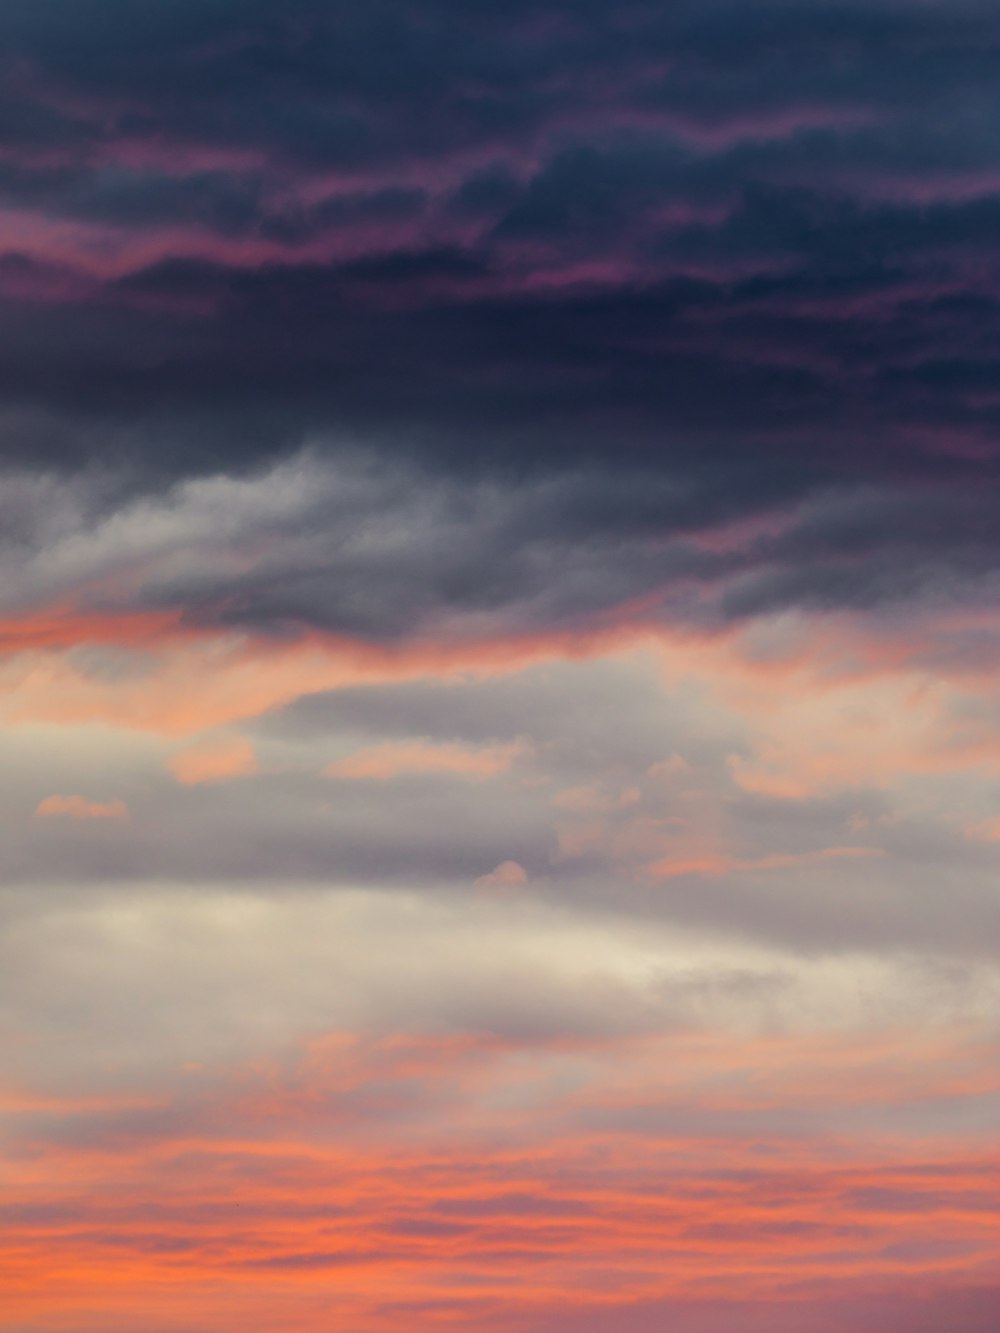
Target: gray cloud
730,251
355,546
497,564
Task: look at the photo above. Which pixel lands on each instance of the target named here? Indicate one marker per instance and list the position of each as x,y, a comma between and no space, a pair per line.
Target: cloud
419,757
566,766
658,244
213,761
659,1160
78,807
717,864
504,877
382,553
558,431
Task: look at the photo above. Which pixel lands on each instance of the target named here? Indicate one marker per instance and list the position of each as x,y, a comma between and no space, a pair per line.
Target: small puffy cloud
507,876
78,807
213,761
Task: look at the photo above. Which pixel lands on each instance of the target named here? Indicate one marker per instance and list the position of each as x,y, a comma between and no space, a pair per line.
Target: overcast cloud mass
499,708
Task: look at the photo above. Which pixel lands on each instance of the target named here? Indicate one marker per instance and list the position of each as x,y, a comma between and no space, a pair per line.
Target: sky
500,717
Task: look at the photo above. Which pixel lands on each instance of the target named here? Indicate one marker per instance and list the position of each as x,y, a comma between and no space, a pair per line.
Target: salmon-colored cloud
63,627
78,807
199,678
213,761
508,875
821,703
710,863
492,1184
393,759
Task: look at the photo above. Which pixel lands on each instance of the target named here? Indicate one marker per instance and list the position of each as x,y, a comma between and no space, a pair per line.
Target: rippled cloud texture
500,721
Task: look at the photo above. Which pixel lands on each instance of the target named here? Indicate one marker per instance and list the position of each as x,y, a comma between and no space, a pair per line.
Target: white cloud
118,984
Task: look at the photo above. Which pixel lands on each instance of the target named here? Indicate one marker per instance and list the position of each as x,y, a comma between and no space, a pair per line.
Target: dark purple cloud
724,258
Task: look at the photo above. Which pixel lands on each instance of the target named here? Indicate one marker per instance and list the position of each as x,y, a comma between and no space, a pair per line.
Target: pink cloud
213,761
672,867
78,807
506,876
513,1186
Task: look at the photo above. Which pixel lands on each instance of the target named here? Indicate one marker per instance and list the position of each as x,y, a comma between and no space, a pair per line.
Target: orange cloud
486,1184
825,702
393,759
213,761
197,679
506,876
62,627
720,864
78,807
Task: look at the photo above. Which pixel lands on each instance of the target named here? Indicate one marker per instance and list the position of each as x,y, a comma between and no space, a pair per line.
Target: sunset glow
499,692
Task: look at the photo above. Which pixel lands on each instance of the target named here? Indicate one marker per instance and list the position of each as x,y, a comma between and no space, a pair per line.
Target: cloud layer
499,720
